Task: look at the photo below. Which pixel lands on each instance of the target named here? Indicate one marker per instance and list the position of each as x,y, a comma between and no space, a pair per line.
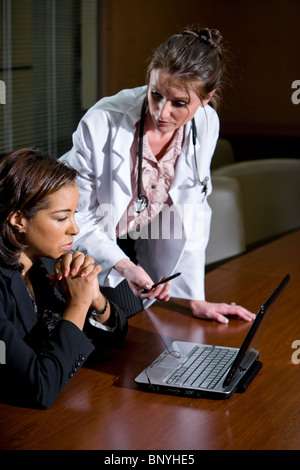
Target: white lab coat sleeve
90,155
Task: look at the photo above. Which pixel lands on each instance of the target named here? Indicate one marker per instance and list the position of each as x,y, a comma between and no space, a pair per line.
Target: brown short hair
27,178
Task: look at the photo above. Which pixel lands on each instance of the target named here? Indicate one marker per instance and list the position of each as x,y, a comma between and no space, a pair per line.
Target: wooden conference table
102,408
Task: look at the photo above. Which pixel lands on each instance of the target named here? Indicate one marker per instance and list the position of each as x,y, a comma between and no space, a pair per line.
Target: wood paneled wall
264,39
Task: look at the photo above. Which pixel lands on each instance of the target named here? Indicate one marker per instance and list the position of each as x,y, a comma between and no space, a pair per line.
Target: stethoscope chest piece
141,204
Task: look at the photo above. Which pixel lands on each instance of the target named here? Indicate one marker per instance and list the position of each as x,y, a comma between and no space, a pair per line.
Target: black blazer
43,352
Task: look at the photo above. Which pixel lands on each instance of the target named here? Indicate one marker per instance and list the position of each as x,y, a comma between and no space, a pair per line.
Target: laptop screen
244,348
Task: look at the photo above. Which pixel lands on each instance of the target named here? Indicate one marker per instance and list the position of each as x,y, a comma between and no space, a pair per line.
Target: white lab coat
101,153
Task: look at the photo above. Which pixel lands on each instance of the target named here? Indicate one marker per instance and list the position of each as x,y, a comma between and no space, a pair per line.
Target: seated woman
47,319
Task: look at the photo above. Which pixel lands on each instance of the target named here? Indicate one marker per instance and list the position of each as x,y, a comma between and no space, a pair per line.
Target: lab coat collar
121,153
185,175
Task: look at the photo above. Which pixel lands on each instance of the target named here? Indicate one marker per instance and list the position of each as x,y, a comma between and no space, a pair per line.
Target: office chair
227,236
270,196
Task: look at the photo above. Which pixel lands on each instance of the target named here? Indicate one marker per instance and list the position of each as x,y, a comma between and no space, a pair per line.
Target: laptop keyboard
203,368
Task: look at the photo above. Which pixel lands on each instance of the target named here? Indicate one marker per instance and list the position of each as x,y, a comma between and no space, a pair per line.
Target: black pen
144,291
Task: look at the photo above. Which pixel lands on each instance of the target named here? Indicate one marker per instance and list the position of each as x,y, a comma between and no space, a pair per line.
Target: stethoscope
142,201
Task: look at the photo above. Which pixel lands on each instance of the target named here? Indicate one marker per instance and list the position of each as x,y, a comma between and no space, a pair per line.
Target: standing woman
144,161
42,315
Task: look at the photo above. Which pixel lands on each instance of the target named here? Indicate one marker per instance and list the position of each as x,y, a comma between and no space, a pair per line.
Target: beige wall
264,37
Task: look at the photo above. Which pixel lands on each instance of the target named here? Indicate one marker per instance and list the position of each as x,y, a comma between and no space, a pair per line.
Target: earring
21,231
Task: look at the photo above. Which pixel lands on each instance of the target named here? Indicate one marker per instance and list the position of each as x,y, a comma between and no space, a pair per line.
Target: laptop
207,371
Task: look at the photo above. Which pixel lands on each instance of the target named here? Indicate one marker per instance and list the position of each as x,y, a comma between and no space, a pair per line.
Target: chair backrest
270,195
227,236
